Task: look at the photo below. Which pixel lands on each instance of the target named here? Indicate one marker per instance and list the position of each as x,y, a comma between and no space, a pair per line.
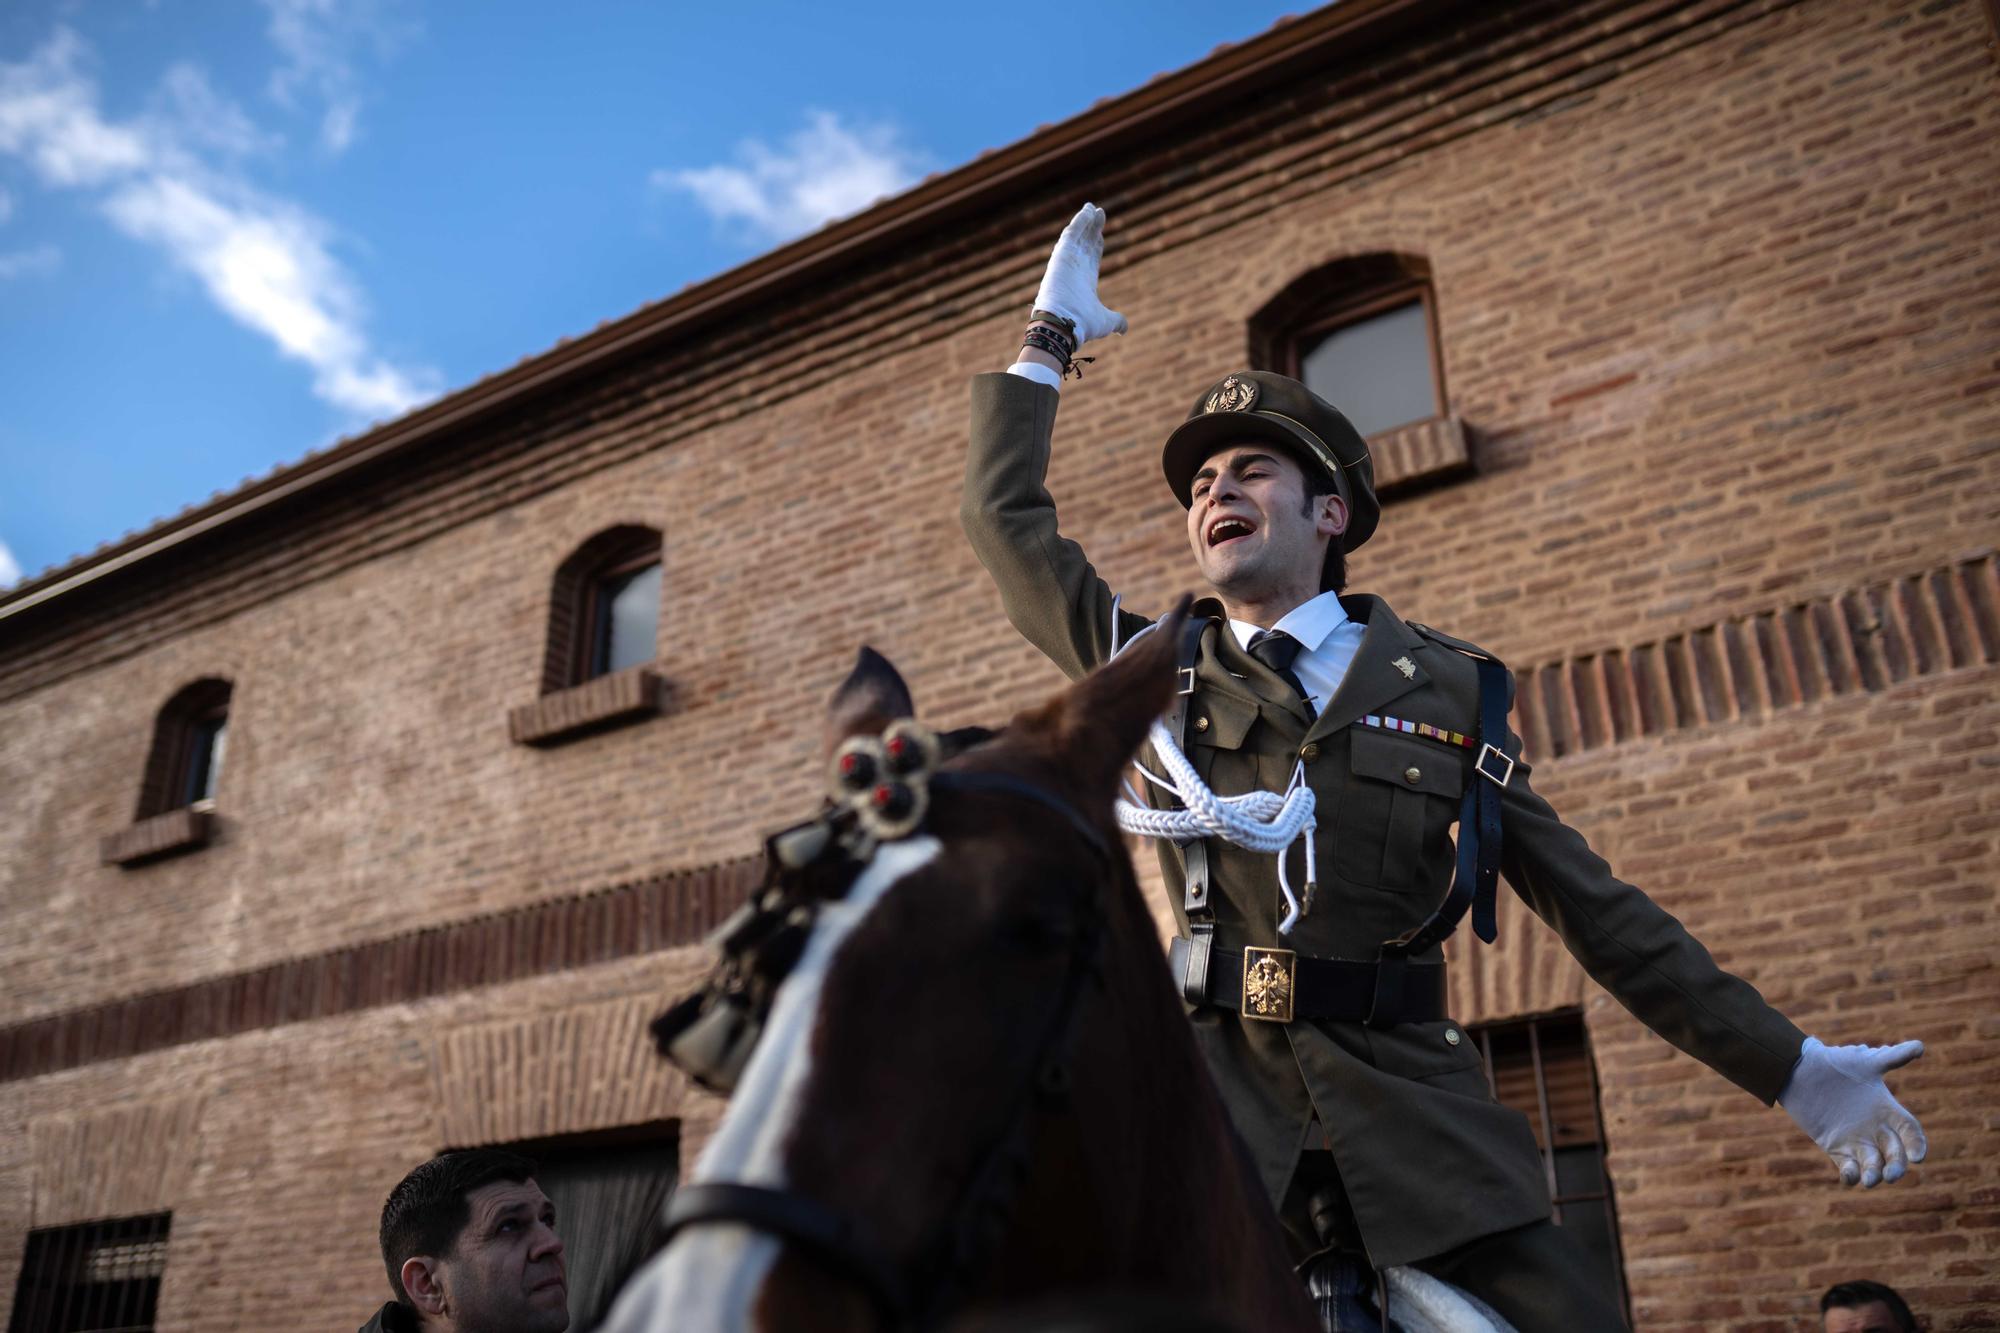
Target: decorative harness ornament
880,791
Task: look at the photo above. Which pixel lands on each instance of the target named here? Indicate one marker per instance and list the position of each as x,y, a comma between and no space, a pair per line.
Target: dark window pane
629,619
205,747
90,1278
1590,1223
1377,370
609,1205
1579,1171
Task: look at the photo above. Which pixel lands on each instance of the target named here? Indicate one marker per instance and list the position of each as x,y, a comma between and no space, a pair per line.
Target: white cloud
48,115
320,41
189,111
266,264
825,171
264,261
29,263
10,568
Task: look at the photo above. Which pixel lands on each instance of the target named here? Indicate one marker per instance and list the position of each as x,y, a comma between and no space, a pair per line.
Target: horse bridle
947,1264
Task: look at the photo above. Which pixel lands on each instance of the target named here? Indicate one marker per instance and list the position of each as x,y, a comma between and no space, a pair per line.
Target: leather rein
944,1267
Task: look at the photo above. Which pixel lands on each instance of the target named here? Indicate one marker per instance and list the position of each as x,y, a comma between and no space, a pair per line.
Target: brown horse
974,1090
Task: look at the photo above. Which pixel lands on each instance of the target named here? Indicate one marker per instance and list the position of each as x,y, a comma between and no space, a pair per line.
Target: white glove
1836,1095
1069,285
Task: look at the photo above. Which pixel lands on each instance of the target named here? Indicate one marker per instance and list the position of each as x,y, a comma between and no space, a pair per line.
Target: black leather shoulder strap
1195,900
1476,877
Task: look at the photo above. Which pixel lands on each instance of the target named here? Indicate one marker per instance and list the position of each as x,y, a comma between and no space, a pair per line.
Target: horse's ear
872,696
1107,713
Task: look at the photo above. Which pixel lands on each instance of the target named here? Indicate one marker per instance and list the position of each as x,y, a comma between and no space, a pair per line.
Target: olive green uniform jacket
1428,1159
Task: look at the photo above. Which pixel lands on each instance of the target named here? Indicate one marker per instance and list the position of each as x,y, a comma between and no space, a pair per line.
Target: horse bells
884,781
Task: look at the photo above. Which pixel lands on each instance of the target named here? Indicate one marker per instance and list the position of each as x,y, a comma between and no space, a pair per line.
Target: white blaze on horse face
707,1280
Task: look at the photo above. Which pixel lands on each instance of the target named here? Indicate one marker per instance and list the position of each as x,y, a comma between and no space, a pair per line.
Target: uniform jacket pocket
1218,741
1396,811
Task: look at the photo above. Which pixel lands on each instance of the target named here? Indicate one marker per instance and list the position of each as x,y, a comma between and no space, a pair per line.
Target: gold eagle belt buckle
1269,982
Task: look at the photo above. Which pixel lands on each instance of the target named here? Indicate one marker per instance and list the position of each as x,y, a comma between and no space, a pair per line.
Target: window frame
51,1250
1364,303
575,607
175,753
198,745
593,638
1543,1123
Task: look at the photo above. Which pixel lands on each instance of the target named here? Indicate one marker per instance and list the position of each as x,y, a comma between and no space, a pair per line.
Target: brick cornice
669,910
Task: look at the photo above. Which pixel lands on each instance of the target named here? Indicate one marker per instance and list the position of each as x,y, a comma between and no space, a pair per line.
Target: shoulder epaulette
1460,645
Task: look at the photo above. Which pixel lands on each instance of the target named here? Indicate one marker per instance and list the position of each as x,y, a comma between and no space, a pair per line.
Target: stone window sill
1420,454
596,705
180,830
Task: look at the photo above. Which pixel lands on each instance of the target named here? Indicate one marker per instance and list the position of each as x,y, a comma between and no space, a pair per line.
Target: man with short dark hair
1864,1307
470,1243
1366,1110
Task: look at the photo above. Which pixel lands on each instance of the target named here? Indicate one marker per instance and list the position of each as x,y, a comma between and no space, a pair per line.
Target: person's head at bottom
1864,1307
470,1243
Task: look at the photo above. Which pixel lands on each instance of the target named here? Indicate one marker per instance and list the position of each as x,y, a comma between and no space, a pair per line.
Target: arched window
604,615
604,629
189,740
1362,334
183,768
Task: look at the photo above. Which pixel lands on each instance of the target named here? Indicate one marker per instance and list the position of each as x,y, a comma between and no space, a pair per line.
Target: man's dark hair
429,1208
1854,1295
1333,570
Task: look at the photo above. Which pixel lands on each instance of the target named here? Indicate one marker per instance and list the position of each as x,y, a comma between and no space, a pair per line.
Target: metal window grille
97,1277
1542,1068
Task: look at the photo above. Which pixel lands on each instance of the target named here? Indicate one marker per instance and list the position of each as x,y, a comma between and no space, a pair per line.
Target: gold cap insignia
1232,395
1406,666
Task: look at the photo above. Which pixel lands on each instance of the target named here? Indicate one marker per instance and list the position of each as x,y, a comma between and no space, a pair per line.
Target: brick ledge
180,830
596,705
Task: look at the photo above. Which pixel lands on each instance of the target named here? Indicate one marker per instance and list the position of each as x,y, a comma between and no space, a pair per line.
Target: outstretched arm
1052,594
1637,950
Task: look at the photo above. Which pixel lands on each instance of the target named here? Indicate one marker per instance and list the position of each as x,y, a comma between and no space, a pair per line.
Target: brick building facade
1716,295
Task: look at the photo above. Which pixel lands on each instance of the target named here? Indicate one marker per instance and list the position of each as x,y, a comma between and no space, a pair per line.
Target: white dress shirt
1327,644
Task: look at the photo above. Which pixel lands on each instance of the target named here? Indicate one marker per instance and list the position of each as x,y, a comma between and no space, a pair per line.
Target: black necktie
1277,650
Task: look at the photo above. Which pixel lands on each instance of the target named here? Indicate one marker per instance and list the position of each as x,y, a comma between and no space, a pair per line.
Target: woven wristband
1068,326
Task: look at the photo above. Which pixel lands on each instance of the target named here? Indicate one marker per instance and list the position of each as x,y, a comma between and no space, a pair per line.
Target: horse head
960,1077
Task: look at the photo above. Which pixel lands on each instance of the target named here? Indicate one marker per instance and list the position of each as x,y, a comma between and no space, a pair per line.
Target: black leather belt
1283,986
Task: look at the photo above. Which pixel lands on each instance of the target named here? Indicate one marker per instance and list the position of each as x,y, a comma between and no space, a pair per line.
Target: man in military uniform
1364,1107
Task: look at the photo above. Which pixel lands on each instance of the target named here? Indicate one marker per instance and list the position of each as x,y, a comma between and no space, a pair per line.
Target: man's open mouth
1229,530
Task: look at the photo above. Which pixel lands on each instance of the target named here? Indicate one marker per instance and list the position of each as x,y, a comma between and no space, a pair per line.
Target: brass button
1201,724
1412,774
1451,1035
1311,752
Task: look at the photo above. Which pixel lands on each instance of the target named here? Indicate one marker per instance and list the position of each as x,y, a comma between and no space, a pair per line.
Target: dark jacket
395,1317
1428,1158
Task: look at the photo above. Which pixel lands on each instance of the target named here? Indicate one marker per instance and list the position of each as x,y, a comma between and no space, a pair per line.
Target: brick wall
1717,294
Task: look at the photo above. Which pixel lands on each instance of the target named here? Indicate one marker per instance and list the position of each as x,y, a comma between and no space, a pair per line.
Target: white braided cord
1257,821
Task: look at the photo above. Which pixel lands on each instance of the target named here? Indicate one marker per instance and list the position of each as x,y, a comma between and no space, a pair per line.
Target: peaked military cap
1257,405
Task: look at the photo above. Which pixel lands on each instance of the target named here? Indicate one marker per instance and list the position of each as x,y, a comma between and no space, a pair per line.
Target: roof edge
1287,44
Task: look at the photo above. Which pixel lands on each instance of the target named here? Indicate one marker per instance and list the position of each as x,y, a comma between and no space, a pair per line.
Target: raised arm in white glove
1836,1094
1069,290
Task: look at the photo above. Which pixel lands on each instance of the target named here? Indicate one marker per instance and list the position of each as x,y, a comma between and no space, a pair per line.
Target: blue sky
232,231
